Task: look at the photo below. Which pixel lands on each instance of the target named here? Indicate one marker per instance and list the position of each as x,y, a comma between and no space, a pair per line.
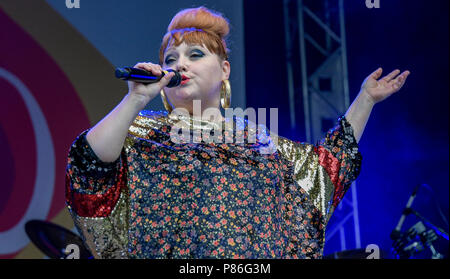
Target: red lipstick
184,79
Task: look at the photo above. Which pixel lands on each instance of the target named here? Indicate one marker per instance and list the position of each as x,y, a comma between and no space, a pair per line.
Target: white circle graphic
16,238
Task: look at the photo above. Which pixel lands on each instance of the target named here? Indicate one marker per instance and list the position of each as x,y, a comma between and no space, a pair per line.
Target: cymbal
53,239
354,254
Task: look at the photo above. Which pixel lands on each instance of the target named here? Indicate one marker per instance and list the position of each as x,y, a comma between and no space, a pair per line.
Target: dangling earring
225,94
167,106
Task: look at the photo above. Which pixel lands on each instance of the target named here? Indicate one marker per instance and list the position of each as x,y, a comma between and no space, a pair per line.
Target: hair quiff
197,26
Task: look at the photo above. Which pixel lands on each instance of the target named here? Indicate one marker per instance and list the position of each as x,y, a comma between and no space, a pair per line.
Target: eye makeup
195,53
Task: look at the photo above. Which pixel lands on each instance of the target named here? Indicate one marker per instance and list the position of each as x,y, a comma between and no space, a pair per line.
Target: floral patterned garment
169,199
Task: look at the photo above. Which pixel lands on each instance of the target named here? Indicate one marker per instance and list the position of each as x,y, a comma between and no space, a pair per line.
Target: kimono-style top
169,196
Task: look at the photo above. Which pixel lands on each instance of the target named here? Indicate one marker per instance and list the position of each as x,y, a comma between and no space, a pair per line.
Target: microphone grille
122,73
176,79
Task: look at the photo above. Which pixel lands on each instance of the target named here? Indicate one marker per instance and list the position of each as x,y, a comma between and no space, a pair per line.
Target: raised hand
379,89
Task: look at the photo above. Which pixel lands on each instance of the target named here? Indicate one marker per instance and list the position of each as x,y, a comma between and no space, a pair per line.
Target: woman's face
205,72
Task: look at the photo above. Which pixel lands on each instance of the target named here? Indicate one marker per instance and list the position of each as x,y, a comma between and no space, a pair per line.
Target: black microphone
396,232
146,77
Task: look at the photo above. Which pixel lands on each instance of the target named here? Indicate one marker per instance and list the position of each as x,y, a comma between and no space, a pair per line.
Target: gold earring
225,94
167,106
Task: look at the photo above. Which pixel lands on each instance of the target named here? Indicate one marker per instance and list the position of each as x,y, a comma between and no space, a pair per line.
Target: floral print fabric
210,200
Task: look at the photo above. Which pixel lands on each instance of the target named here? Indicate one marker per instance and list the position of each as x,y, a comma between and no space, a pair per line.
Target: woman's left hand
379,89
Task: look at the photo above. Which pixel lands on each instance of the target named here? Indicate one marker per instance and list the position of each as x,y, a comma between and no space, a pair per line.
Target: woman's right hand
146,92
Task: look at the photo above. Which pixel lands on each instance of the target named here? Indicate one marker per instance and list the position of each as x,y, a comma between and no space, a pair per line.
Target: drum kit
417,242
422,235
55,241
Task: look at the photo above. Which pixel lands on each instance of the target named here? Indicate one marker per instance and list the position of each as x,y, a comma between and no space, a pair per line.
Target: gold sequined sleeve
96,196
97,193
325,170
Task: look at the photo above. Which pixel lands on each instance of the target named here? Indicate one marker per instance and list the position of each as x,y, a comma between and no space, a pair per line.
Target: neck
210,114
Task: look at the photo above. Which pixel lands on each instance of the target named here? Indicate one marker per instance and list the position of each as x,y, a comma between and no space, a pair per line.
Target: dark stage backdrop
406,139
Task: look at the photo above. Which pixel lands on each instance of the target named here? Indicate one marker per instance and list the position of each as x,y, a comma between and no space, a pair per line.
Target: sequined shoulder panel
308,173
145,121
327,169
97,199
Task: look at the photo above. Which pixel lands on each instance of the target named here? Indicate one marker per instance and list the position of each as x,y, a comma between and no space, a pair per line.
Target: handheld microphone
146,77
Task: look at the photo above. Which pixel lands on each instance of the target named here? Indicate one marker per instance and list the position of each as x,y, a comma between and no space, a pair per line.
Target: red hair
197,26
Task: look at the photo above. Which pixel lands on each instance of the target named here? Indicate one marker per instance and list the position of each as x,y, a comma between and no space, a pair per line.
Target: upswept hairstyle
197,26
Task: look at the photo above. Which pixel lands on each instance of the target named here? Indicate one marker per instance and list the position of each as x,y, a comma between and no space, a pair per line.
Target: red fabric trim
95,205
332,166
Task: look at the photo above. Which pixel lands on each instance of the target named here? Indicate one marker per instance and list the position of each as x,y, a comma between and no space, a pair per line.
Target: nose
181,65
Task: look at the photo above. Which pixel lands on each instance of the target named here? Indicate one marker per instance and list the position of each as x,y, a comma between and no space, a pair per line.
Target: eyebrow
189,48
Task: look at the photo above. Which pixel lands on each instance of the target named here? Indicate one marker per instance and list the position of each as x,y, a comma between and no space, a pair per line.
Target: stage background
406,141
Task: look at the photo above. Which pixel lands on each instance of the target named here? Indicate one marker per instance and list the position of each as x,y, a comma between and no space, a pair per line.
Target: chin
184,94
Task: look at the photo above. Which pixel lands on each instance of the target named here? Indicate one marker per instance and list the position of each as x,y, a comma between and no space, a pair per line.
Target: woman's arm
108,136
372,92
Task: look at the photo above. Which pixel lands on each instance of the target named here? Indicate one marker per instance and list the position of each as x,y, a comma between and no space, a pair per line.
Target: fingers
392,75
157,70
398,82
153,68
166,79
377,73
